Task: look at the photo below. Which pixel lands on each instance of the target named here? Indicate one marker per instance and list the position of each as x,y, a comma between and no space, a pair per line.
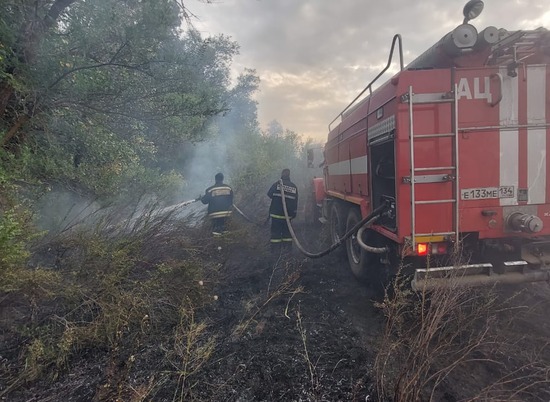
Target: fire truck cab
455,147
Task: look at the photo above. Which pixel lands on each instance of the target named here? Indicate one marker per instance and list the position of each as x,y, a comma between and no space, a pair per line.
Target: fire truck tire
337,223
365,266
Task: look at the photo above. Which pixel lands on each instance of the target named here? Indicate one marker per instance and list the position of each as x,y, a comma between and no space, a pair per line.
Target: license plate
485,193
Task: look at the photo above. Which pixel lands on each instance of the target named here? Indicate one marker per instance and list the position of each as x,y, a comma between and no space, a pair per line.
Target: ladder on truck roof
419,175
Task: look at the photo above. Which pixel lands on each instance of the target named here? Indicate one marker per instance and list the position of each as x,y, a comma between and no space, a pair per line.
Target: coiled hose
361,226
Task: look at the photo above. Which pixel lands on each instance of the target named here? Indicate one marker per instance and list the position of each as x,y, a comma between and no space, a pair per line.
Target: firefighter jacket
291,198
219,198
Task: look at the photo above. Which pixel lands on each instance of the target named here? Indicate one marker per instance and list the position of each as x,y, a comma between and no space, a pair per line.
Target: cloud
314,56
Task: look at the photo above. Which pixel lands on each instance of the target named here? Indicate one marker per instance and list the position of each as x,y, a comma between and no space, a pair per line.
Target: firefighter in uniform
280,234
219,198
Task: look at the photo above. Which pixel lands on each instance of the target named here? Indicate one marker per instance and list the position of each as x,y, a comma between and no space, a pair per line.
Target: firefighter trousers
280,235
218,225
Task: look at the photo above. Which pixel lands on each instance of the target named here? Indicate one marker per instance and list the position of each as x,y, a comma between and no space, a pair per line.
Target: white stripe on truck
358,166
509,139
536,137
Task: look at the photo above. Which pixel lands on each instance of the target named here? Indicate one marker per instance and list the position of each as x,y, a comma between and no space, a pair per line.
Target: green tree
106,92
23,25
274,129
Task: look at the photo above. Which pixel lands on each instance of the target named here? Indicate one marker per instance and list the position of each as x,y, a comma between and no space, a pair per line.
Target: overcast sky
314,56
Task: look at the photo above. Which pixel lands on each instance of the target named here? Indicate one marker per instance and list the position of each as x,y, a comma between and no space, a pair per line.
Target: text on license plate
484,193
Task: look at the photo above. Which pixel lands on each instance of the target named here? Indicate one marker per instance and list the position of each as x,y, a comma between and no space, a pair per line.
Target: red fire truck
454,147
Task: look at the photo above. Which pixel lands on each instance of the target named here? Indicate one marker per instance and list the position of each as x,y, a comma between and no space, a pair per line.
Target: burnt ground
299,329
293,329
296,329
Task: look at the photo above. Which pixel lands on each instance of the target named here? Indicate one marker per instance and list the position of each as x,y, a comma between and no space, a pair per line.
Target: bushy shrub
13,239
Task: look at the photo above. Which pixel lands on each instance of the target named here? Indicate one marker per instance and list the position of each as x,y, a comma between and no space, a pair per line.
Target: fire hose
358,228
186,203
246,217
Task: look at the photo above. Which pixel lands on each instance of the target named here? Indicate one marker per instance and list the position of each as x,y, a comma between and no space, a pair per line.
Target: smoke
209,158
59,210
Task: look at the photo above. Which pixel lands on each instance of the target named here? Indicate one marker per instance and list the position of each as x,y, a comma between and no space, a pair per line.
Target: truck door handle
493,103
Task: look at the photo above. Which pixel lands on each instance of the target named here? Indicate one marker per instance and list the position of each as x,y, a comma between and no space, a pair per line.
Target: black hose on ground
246,217
367,221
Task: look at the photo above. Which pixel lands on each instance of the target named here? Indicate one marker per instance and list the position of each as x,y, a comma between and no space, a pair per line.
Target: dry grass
111,289
428,337
312,367
281,283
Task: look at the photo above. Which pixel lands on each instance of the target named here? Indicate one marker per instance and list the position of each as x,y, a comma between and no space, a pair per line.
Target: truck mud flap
513,272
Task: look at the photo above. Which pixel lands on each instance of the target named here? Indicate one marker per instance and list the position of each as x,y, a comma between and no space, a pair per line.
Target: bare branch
91,67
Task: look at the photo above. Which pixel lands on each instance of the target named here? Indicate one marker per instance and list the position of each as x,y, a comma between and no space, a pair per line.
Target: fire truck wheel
365,266
337,224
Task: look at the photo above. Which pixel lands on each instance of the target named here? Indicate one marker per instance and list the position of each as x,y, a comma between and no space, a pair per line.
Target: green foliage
11,19
259,159
113,90
6,53
16,232
12,240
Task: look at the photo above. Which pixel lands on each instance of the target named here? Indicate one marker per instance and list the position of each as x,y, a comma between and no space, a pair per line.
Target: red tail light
422,248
